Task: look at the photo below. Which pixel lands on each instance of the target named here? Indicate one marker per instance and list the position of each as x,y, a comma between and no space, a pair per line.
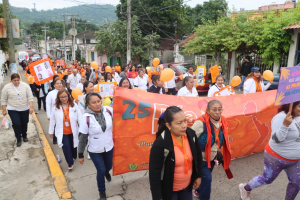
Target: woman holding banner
96,130
188,89
158,86
175,165
212,132
50,101
281,153
125,83
254,82
141,82
216,87
64,120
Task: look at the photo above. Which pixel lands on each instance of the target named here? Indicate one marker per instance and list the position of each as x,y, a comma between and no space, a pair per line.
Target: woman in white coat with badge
96,130
254,82
65,117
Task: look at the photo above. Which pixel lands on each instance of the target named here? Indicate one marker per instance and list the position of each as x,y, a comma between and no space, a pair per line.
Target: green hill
95,13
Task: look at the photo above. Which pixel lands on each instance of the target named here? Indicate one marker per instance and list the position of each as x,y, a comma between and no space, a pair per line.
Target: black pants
172,91
40,102
20,121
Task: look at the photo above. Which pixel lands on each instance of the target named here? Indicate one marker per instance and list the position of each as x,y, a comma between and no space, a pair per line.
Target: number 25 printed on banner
142,105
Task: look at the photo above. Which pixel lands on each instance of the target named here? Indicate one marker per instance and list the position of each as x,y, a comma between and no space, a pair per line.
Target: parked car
23,56
182,68
274,86
35,57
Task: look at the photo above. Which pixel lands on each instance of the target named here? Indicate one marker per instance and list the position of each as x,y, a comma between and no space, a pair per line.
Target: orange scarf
187,161
258,85
226,150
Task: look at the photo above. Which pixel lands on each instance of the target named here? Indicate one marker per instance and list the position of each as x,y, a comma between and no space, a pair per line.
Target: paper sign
106,89
214,71
225,91
42,71
200,76
288,86
60,62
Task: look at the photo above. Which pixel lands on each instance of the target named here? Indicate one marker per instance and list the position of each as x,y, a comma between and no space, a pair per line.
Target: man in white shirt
73,79
80,85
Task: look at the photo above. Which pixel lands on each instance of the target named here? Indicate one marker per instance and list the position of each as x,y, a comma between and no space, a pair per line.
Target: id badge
19,97
67,124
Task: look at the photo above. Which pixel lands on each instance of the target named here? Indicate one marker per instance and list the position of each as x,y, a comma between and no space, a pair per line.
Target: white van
23,56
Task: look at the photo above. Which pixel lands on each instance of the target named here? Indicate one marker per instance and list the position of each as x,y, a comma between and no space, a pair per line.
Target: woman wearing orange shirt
175,165
60,74
64,119
132,72
118,68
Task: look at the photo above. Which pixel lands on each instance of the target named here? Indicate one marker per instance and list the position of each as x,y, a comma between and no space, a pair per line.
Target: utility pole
128,31
45,31
11,43
151,51
175,24
34,5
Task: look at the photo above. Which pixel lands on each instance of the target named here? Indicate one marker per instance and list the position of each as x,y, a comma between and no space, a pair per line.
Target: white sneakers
245,195
89,156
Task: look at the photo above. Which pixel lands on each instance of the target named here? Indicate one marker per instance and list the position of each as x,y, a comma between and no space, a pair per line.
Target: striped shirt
15,101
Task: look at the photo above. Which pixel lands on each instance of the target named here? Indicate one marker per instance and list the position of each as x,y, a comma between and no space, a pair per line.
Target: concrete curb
60,182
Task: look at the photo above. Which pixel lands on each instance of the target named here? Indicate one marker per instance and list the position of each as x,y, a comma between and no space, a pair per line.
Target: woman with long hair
132,72
88,87
212,132
217,86
125,83
17,101
188,89
254,82
281,153
96,130
64,119
109,78
175,165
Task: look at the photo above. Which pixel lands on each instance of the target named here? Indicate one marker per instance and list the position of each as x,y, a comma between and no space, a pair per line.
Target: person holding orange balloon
216,87
132,72
254,82
154,70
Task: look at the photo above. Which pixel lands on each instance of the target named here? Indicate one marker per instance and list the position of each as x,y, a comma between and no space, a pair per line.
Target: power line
153,22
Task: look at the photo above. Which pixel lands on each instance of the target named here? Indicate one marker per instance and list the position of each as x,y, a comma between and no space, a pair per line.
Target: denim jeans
20,121
103,164
68,148
205,187
242,82
184,194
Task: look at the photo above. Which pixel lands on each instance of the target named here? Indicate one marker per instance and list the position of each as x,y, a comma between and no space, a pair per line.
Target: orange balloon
181,76
235,81
94,65
96,88
268,75
108,69
76,92
155,62
167,75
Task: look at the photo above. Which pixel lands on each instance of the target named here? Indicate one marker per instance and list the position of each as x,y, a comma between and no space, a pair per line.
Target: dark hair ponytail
168,118
186,79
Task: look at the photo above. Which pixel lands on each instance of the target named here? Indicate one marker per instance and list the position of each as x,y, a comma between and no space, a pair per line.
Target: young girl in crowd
281,153
175,165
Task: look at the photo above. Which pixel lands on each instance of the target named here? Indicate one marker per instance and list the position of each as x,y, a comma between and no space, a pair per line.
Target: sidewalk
24,173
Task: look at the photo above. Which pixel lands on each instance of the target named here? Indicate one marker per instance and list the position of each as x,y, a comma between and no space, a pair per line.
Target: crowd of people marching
181,158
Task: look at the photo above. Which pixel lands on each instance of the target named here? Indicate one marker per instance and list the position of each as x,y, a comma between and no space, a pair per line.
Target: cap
255,69
139,65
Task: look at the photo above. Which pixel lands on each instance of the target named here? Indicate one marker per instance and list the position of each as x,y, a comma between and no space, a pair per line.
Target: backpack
88,117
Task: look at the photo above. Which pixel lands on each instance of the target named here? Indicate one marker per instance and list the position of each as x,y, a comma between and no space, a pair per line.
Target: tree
163,13
113,38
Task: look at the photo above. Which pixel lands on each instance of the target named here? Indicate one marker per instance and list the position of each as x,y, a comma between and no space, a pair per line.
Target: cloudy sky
46,4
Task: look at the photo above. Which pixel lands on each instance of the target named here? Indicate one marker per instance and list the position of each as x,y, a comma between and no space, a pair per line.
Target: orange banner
136,114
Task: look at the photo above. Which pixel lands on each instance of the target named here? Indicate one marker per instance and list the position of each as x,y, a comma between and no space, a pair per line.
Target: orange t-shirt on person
118,69
182,180
60,75
67,129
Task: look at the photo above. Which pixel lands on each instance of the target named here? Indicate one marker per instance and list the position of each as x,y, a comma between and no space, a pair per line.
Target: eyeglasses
65,97
217,110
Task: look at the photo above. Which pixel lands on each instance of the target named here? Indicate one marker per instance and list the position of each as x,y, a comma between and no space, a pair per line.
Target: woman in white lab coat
254,82
65,118
141,81
216,87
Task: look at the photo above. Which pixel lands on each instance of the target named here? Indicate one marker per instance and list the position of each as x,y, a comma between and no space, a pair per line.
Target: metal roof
293,26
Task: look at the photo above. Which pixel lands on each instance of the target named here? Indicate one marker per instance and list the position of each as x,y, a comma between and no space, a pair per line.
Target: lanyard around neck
16,89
